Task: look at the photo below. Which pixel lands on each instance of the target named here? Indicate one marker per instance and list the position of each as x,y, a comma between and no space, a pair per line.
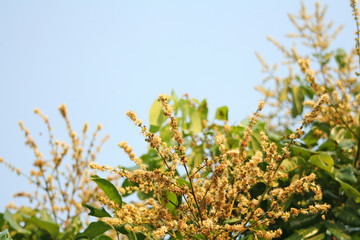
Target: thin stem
195,218
193,191
47,190
356,163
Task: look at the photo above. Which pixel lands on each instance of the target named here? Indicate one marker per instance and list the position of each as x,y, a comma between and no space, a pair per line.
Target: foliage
331,146
209,181
28,223
5,235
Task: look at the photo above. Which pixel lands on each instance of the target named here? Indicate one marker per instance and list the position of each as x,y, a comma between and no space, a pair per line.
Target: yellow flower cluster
219,203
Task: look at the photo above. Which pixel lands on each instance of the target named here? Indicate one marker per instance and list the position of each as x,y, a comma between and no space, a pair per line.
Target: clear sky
103,58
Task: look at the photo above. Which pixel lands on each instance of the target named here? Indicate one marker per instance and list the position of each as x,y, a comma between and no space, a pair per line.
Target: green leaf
178,236
337,230
320,236
73,228
304,233
329,194
255,143
108,188
195,122
283,96
308,91
184,106
232,221
257,190
5,235
203,109
182,181
103,237
156,116
200,236
311,138
128,183
152,160
347,215
172,201
142,195
121,229
165,133
292,163
340,58
323,161
350,191
44,215
135,236
175,99
222,113
300,152
2,221
97,212
327,146
347,144
50,227
93,230
9,217
339,133
347,174
302,221
298,99
196,156
272,136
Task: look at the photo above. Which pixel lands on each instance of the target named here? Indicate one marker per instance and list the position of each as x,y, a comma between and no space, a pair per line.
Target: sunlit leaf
9,217
196,156
93,230
323,161
203,109
165,133
304,233
73,228
108,188
97,212
337,230
298,99
156,116
283,96
222,113
182,181
195,122
172,201
103,237
292,163
347,144
5,235
232,221
340,58
349,190
50,227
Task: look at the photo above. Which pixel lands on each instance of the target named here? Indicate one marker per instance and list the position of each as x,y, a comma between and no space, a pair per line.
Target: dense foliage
291,172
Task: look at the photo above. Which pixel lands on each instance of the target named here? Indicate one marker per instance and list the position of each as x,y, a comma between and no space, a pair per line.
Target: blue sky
103,58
